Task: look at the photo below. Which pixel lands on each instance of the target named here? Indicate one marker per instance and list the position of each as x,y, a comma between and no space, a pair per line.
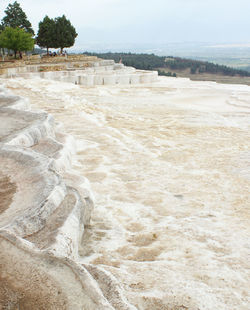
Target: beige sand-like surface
169,164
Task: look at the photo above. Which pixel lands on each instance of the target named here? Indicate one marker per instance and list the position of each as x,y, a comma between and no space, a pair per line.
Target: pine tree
16,17
46,33
65,33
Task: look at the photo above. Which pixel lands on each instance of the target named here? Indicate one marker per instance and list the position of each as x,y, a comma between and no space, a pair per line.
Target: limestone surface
169,165
44,207
91,73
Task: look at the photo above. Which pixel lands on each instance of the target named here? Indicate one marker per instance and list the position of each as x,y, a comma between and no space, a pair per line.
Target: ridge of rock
44,208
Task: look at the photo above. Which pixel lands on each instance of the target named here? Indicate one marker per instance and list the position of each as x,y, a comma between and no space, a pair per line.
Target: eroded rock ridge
44,208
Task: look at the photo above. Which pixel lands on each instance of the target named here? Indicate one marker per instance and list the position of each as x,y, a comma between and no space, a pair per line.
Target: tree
46,33
16,39
15,17
193,69
65,33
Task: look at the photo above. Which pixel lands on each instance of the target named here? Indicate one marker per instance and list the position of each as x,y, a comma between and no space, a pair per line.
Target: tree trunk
61,50
15,54
47,51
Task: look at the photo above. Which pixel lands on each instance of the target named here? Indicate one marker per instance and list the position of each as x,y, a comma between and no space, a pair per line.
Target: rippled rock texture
169,167
44,207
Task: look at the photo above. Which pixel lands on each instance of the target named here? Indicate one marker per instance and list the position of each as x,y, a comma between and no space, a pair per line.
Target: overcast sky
146,21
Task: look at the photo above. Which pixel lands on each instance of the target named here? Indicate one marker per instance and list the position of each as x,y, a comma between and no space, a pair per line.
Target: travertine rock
98,72
44,207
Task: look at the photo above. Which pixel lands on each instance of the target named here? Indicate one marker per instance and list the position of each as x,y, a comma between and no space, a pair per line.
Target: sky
146,21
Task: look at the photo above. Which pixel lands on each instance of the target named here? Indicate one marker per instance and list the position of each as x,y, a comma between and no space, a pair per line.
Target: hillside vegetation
173,66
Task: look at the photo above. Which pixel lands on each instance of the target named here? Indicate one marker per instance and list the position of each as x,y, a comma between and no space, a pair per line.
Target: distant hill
172,66
38,50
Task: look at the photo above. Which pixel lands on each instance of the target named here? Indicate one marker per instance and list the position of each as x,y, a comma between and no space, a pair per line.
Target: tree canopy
16,39
160,63
16,17
56,33
46,33
65,32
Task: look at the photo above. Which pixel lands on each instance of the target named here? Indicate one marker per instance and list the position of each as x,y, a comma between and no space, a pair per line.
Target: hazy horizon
146,21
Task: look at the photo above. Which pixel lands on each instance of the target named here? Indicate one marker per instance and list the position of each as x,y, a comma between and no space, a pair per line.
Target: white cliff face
169,165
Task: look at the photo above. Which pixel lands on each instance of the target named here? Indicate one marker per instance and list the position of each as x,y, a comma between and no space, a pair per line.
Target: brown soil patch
7,191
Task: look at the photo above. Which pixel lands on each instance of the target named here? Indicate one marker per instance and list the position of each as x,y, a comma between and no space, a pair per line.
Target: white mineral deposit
169,167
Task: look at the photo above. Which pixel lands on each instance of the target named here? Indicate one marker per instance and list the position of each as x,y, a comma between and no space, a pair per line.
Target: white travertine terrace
101,72
43,210
169,165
